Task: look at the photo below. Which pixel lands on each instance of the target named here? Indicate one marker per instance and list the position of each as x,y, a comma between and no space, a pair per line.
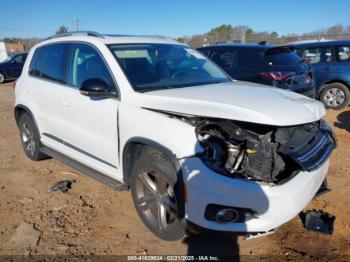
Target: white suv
197,149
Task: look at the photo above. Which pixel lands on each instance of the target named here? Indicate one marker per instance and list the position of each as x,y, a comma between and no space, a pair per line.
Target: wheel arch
133,148
20,109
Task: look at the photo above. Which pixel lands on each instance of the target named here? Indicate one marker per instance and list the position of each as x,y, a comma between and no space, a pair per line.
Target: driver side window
84,62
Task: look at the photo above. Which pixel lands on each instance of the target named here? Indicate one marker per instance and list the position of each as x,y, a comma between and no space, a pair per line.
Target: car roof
240,46
321,43
110,39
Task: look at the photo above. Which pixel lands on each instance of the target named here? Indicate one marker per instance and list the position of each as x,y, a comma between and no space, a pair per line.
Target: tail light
277,75
14,85
308,79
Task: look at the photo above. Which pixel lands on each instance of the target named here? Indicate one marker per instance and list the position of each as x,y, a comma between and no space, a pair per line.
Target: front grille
314,153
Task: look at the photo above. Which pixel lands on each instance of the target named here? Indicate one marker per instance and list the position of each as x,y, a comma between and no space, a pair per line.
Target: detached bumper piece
318,221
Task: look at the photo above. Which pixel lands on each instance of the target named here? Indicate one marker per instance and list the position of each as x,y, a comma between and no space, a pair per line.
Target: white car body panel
169,132
102,128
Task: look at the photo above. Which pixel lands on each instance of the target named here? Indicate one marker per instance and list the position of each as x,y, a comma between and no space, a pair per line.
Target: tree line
224,33
245,34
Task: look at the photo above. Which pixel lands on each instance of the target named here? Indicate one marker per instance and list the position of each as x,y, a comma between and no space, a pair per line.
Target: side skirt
85,169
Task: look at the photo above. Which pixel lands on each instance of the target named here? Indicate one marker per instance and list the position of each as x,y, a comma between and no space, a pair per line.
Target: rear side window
317,55
48,62
281,57
343,53
225,59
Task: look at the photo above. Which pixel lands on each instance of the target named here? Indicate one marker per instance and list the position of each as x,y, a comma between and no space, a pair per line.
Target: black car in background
276,66
11,68
331,63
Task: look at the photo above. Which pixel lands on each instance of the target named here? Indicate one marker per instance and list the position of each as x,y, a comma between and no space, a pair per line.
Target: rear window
281,57
48,62
250,58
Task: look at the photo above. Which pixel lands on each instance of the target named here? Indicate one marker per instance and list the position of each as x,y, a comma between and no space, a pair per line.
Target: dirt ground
91,218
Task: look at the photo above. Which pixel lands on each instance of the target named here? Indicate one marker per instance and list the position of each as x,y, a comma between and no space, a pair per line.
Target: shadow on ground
343,121
225,247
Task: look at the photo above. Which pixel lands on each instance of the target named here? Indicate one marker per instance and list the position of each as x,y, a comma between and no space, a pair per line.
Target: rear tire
335,96
30,138
152,187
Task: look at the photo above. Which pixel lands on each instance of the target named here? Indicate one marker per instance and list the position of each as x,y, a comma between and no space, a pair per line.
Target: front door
89,125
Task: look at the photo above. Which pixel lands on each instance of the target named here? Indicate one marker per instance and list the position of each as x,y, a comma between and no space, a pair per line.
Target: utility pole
77,22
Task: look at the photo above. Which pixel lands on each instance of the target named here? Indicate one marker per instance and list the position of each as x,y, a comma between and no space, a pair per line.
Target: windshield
163,66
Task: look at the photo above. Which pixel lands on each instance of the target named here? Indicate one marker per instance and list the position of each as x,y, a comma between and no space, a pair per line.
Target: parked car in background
265,64
11,68
331,63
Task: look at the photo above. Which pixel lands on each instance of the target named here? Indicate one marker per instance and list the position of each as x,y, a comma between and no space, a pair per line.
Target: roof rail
157,36
81,33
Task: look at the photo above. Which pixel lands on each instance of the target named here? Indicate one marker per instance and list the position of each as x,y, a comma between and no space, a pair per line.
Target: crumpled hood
237,100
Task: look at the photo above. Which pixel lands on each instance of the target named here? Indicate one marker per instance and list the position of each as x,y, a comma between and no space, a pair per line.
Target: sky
39,18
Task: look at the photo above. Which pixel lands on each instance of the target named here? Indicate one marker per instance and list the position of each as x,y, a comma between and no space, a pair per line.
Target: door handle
64,103
30,92
327,68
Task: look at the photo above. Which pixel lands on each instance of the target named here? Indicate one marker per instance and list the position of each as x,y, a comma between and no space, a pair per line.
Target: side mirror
96,87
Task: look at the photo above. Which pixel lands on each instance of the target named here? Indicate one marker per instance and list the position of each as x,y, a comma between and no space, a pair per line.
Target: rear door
88,126
322,60
46,73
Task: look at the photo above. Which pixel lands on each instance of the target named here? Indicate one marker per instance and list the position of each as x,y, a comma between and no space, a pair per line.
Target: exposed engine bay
263,153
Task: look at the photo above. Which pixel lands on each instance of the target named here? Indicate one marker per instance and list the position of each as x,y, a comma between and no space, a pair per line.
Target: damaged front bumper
260,207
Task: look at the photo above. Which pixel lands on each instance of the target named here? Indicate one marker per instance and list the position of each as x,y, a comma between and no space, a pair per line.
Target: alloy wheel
156,200
27,136
334,97
2,78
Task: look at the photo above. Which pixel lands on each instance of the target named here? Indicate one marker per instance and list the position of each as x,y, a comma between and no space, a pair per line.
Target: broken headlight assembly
263,153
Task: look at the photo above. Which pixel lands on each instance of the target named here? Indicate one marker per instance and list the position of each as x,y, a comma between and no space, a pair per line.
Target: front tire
30,138
335,96
152,186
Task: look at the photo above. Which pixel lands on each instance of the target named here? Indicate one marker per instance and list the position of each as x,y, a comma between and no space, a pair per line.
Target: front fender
169,132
